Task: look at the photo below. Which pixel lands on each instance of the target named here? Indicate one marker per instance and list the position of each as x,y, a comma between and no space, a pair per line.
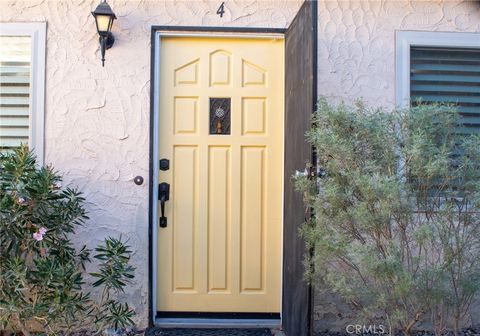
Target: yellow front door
221,128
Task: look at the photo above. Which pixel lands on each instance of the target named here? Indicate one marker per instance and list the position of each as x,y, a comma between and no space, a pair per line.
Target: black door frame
152,202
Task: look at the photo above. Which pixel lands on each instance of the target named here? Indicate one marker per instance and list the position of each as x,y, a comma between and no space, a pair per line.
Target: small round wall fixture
104,17
138,180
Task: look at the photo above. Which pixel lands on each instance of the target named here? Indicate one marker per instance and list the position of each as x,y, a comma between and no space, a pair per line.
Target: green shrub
42,273
113,275
396,225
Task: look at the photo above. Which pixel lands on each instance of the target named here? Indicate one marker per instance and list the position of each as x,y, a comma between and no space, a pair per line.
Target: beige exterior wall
356,42
97,119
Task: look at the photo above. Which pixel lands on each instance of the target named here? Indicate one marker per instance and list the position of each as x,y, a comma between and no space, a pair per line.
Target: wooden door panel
221,250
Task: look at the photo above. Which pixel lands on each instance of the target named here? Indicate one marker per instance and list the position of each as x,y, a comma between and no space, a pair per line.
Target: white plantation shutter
448,75
15,79
22,85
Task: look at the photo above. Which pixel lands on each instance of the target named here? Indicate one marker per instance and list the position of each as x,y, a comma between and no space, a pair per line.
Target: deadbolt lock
164,164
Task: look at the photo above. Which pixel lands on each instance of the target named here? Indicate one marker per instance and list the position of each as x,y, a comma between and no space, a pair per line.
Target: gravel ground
464,332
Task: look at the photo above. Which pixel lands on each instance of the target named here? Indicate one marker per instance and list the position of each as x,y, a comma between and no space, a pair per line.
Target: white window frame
406,39
37,31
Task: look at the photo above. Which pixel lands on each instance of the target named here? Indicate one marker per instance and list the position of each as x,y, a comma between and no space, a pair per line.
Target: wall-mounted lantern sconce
104,17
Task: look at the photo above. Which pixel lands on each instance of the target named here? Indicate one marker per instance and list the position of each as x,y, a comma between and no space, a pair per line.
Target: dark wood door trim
153,91
300,103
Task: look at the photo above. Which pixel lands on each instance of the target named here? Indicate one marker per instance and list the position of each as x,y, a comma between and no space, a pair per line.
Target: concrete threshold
216,323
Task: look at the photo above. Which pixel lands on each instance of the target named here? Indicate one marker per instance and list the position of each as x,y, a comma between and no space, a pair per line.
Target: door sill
165,322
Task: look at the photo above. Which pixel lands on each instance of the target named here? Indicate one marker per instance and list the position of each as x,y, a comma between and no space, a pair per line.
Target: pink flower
21,200
37,236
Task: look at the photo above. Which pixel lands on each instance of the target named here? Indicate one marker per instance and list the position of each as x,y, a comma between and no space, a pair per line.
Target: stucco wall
356,48
356,43
97,119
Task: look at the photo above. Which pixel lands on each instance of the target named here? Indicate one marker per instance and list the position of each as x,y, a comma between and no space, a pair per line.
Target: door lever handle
163,196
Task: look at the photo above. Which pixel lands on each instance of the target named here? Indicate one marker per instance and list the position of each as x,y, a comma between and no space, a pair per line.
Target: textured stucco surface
356,43
356,49
97,119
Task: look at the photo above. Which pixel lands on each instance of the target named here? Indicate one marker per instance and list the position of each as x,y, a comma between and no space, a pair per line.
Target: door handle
163,196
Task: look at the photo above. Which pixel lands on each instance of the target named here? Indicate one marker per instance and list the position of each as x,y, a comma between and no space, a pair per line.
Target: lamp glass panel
103,22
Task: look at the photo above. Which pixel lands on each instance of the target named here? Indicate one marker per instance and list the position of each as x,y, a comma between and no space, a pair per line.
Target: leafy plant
396,226
114,273
42,273
41,277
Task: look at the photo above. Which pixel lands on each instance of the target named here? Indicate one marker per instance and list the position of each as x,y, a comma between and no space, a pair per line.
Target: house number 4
221,9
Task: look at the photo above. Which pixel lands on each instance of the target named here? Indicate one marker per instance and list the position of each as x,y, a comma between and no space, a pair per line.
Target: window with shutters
22,89
448,75
440,67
